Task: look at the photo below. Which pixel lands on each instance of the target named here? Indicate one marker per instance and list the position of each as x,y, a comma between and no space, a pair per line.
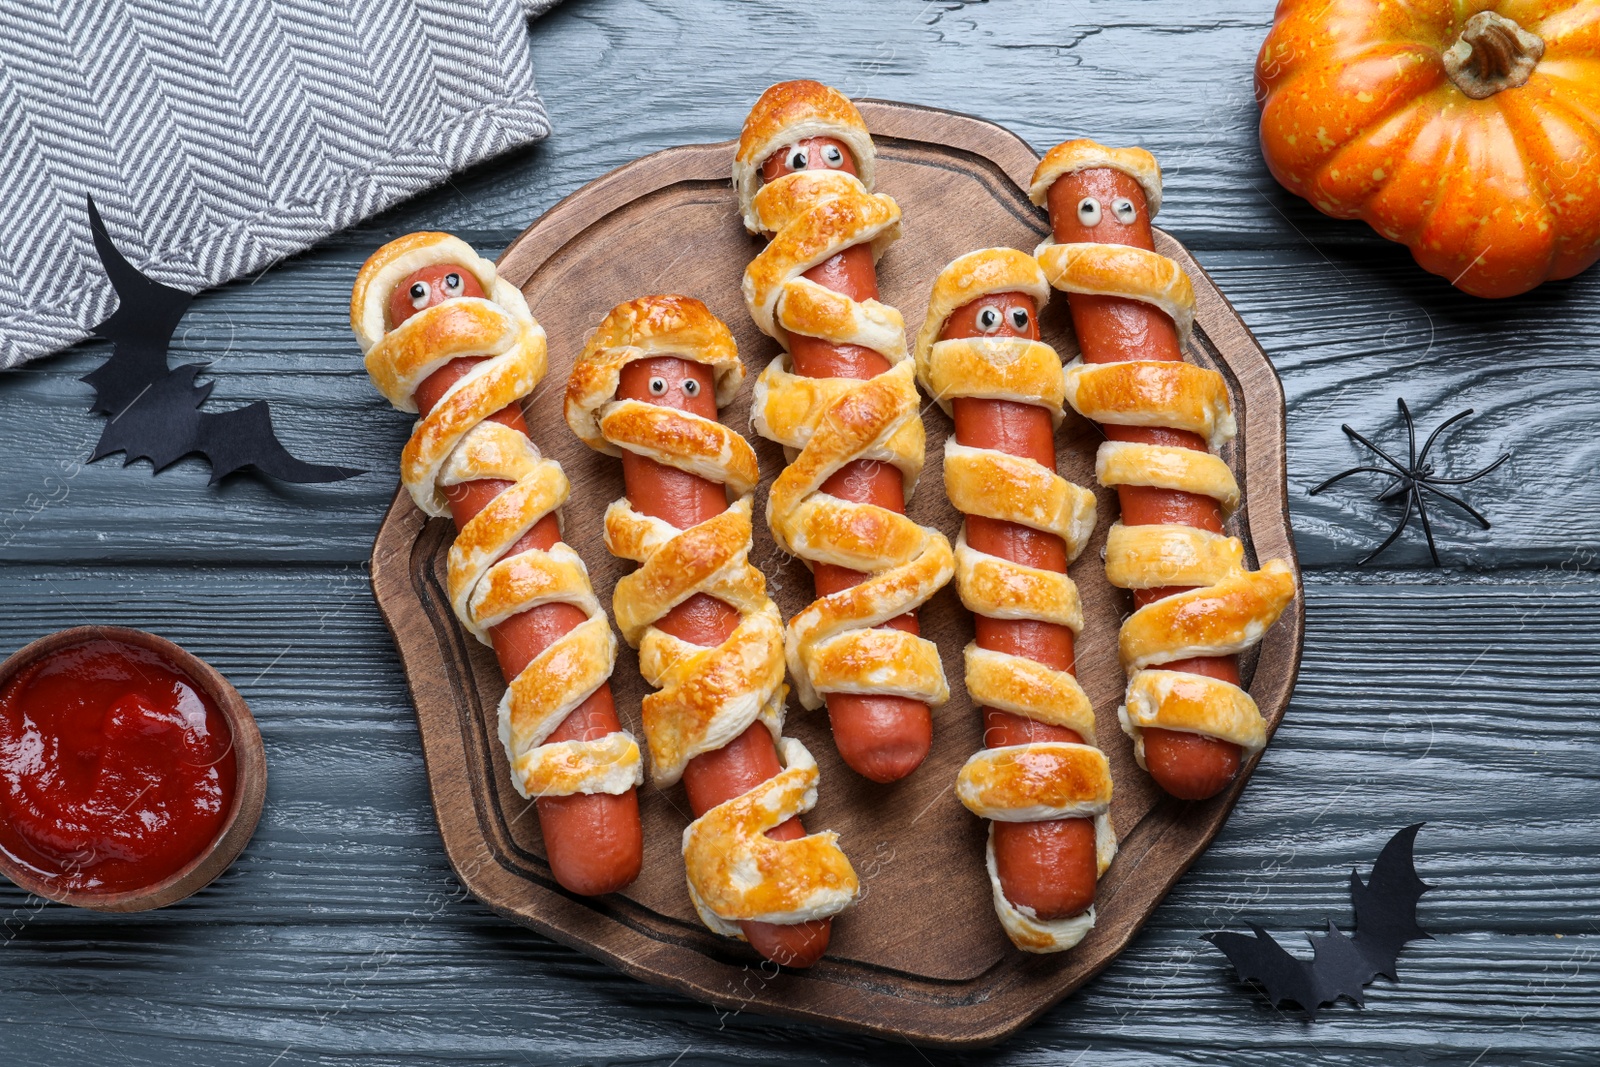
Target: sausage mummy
1040,779
646,388
842,401
444,335
1196,606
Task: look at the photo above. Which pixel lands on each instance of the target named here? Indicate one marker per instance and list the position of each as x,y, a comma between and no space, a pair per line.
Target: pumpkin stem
1492,53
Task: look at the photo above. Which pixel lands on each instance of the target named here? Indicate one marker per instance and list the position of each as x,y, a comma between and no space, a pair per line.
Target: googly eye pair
658,387
799,157
1122,210
421,292
991,318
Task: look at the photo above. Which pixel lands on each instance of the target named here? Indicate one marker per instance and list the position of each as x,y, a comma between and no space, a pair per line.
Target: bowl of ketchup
131,772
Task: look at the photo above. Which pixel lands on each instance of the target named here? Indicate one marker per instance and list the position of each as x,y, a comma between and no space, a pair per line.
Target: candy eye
799,158
420,292
1124,210
988,319
658,386
832,156
1019,318
1089,211
452,284
691,387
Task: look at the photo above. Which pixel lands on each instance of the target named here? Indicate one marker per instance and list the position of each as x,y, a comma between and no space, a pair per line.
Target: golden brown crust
1227,608
738,874
1084,154
455,443
705,696
1162,556
645,328
833,646
1157,392
812,219
1019,783
1031,783
1191,703
998,485
985,272
1215,620
1120,270
369,297
1222,618
789,112
1167,467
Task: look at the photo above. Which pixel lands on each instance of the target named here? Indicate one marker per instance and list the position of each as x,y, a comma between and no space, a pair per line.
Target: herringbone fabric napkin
217,136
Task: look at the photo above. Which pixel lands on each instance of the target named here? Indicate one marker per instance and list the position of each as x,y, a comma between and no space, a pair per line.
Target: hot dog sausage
593,841
883,738
1046,866
684,500
1113,329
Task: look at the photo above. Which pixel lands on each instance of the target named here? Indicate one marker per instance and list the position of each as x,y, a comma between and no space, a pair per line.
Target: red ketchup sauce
116,768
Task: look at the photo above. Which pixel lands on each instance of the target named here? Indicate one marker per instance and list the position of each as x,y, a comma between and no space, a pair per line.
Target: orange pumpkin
1469,131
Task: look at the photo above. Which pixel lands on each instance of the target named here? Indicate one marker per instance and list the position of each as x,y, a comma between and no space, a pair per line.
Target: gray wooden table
1459,696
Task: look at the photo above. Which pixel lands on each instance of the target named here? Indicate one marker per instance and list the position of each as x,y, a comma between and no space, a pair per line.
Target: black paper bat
155,410
1386,918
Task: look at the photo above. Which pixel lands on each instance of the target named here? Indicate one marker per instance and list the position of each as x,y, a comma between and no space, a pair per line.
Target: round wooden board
921,955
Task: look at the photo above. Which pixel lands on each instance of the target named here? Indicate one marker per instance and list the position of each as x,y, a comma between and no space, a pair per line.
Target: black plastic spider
1411,479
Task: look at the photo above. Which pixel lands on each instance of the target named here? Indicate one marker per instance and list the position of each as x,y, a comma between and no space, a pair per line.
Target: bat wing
1340,966
1386,918
139,330
158,423
1386,906
155,410
1261,959
245,438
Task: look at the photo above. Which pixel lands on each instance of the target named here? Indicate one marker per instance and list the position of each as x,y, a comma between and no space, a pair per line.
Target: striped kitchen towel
218,136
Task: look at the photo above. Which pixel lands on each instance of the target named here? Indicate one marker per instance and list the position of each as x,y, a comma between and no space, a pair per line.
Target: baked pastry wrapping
1230,607
705,696
835,645
1043,780
457,443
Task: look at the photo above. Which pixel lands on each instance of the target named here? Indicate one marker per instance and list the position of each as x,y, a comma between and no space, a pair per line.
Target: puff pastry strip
1043,780
454,443
835,645
1229,608
705,696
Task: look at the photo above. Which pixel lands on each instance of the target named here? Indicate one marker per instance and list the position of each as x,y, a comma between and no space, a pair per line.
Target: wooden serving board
921,955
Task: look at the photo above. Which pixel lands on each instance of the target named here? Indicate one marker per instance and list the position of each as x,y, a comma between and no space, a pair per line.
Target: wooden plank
370,994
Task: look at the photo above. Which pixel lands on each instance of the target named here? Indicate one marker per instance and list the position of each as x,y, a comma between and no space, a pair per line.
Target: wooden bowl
250,786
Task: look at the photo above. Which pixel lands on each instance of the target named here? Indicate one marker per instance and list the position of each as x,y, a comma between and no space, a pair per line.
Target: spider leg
1471,477
1458,502
1411,430
1402,468
1370,556
1348,473
1446,424
1427,527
